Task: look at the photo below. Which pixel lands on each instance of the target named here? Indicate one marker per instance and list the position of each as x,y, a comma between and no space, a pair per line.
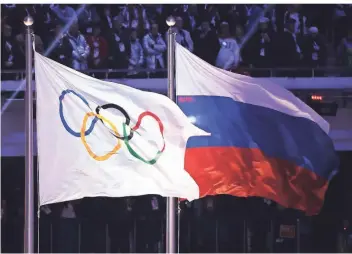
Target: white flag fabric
98,138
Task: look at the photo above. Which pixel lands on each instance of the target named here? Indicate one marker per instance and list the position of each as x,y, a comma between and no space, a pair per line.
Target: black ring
119,108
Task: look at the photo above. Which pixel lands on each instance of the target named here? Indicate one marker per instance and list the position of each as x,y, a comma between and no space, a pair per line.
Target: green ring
134,153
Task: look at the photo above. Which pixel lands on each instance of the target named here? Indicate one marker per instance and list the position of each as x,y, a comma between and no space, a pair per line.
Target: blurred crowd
133,37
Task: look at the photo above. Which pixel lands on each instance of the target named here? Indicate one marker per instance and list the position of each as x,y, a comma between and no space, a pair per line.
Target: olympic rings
127,122
126,138
133,152
83,138
64,123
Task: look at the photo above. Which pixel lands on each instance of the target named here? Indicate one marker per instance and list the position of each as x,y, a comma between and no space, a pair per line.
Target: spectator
293,12
289,52
206,43
99,49
314,49
245,51
340,19
234,14
64,13
80,48
10,54
212,11
261,46
13,15
182,36
178,9
345,50
158,13
117,40
134,16
88,18
254,12
190,17
239,34
107,19
228,56
271,14
45,20
154,47
61,53
135,54
319,16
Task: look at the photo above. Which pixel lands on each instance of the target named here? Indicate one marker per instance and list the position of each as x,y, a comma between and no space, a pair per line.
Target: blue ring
64,123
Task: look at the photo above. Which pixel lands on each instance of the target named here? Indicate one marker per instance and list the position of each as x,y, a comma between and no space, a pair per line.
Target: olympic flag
98,138
264,141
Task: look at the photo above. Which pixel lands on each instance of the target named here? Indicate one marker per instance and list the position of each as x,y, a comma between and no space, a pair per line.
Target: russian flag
264,141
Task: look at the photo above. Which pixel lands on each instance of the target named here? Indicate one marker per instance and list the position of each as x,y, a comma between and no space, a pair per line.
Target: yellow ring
83,138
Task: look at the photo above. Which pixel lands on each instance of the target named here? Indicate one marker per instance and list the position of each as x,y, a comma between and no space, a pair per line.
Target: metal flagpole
178,224
171,202
29,174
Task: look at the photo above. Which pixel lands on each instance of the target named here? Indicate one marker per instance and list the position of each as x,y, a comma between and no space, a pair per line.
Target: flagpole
29,174
171,202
